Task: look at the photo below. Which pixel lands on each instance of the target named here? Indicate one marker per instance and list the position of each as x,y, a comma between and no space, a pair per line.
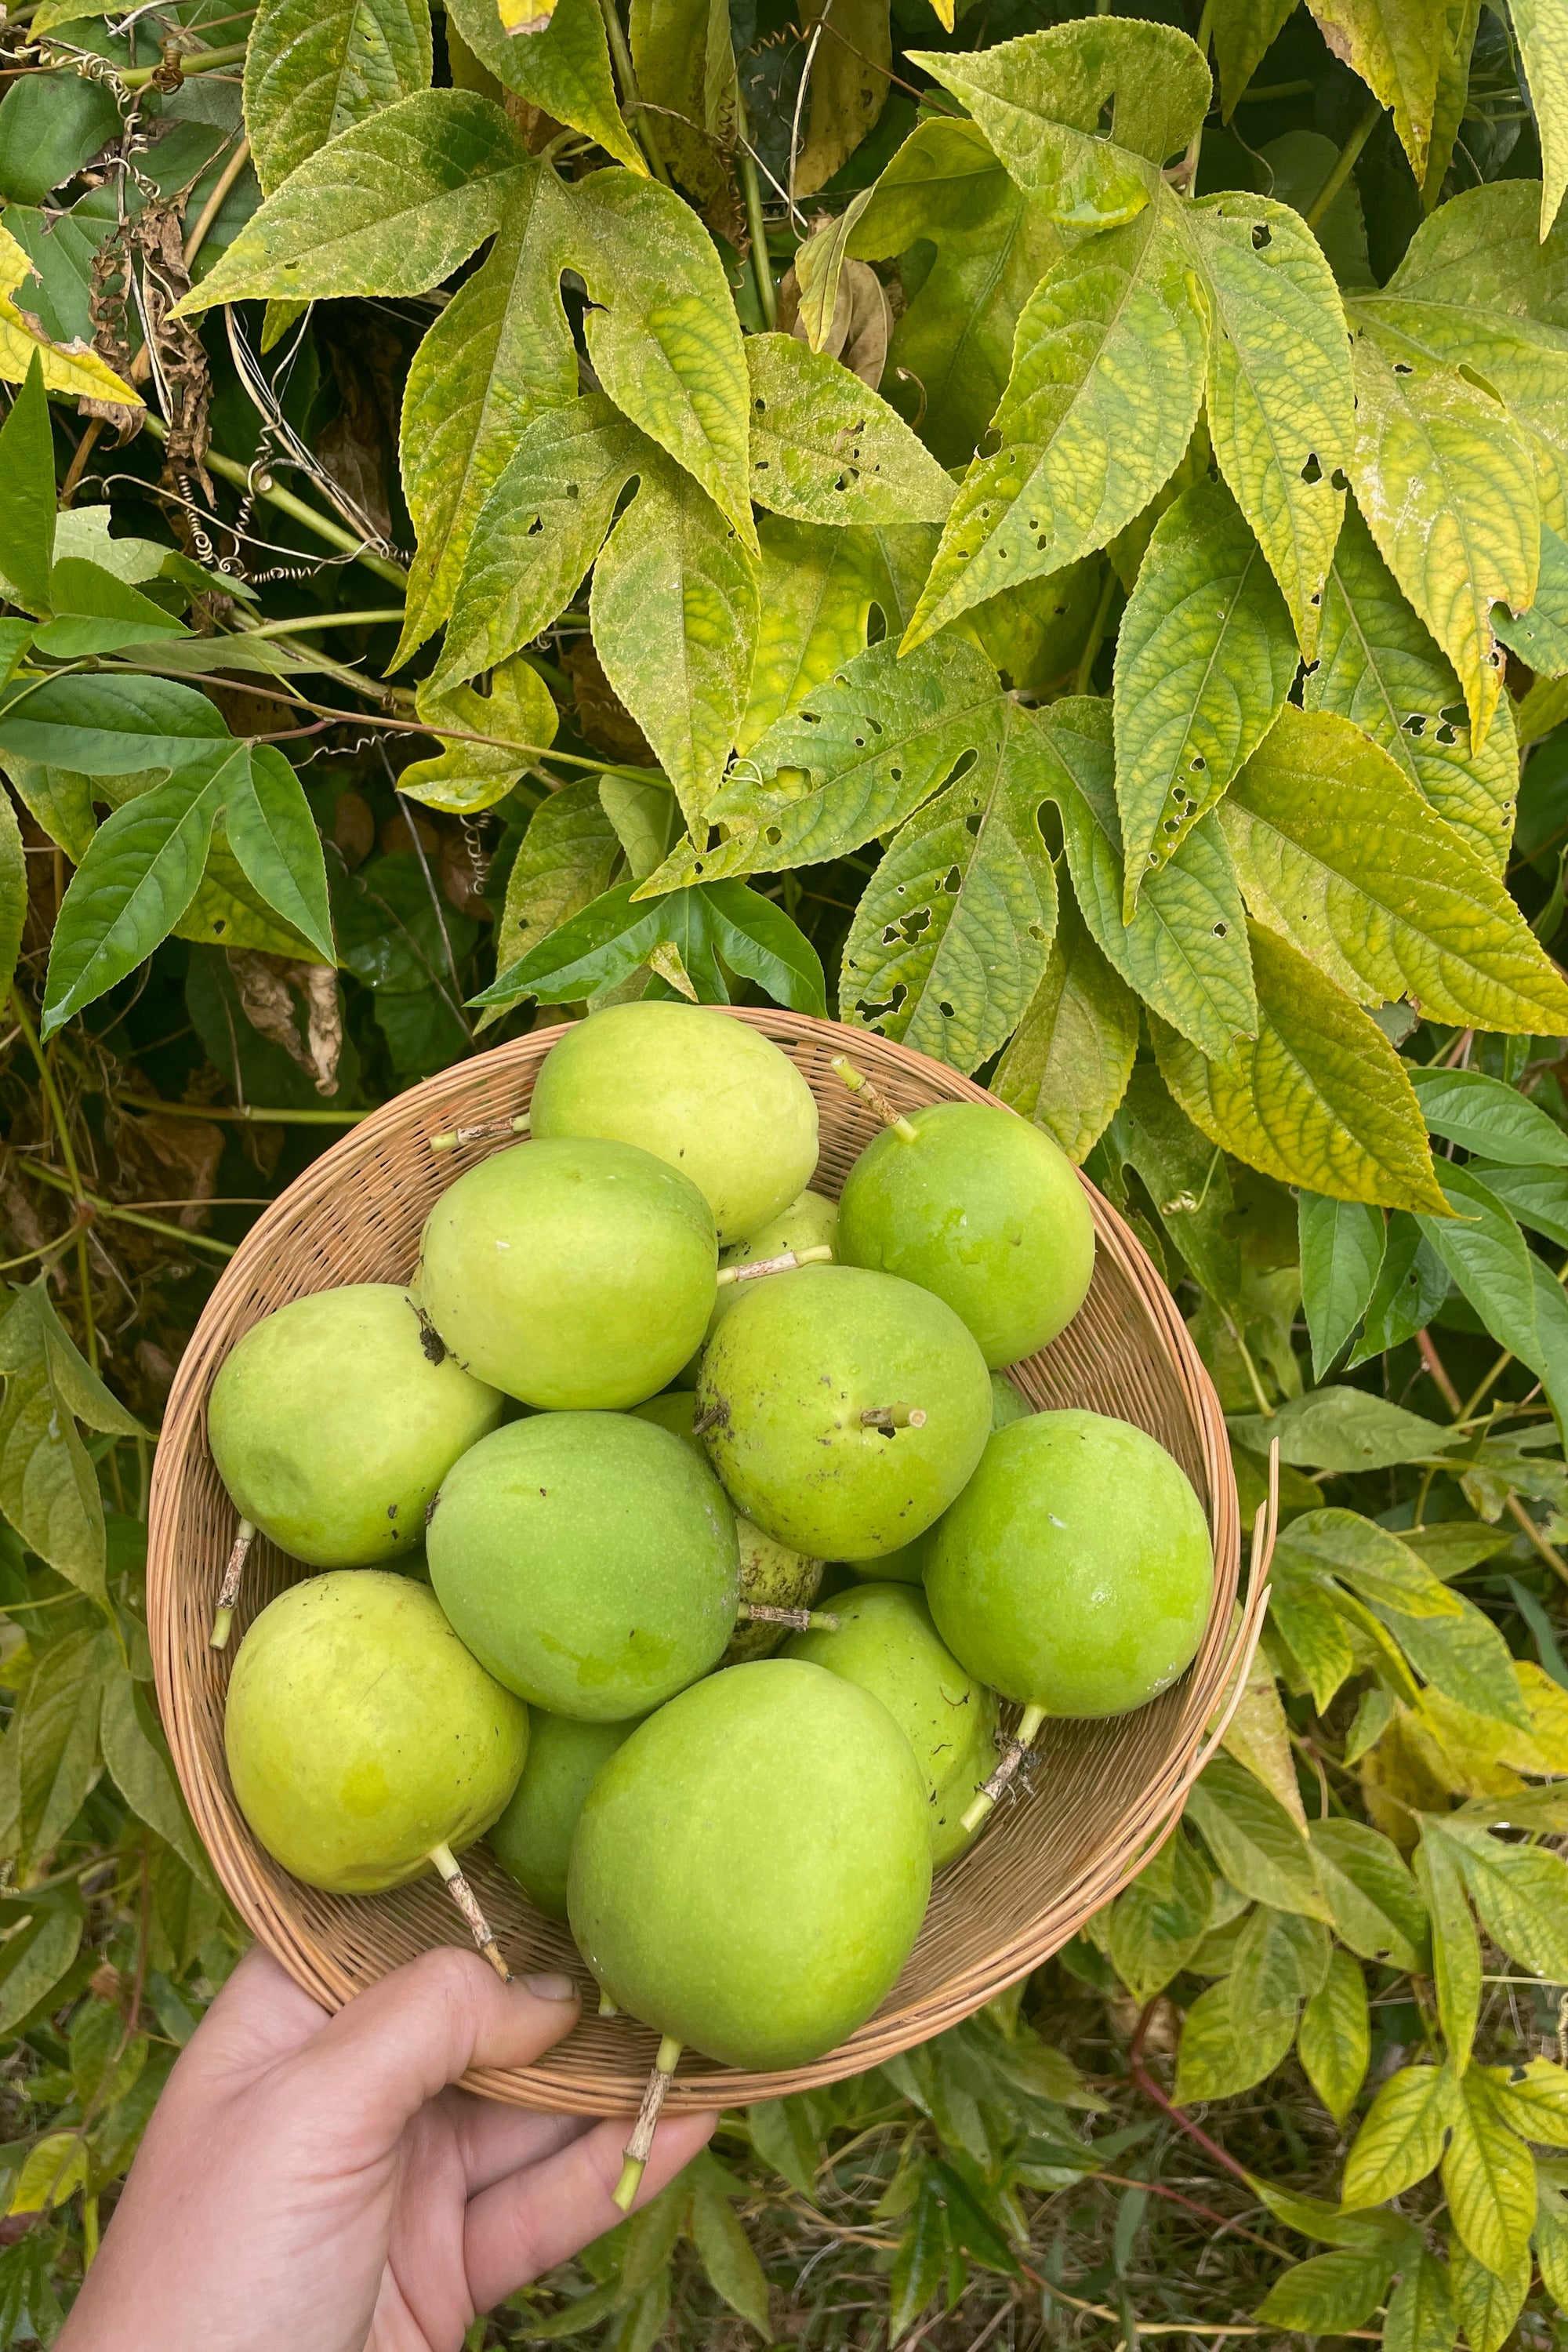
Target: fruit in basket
333,1421
843,1410
576,1275
1007,1404
974,1203
1075,1572
887,1644
589,1560
363,1738
696,1088
771,1576
751,1868
908,1564
532,1839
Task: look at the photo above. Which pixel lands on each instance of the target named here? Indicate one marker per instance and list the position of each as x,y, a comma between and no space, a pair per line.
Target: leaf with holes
1071,1056
311,71
818,588
1106,378
825,449
950,937
1205,658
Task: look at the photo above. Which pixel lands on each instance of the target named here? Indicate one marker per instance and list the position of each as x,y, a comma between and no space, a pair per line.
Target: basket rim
1212,1684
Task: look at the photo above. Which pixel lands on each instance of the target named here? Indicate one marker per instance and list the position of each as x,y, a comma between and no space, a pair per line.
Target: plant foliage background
1046,536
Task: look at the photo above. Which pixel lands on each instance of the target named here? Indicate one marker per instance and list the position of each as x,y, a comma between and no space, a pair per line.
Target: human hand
313,2184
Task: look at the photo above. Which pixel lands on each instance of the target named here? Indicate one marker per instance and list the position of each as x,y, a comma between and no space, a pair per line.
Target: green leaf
1412,1283
1335,2039
540,528
311,72
1041,102
1187,1182
818,588
1486,2307
1489,2178
49,129
1343,1430
1487,1118
826,449
563,70
1244,32
1372,1900
644,815
390,206
1448,490
97,614
137,1755
876,743
990,244
112,727
970,2228
727,2256
685,68
1157,1924
1396,46
1455,1948
1341,1245
56,1731
1552,2242
519,716
1378,666
1402,2136
1372,1561
12,892
1487,1255
674,609
1537,1196
1280,401
1343,856
499,354
952,934
759,940
921,2263
1205,658
783,2135
270,830
1280,1960
1106,378
1320,1098
1253,1839
27,491
1071,1056
49,1487
1522,1894
1531,2097
1540,637
598,948
1218,2056
1420,2310
1330,2293
134,884
1539,29
567,858
1185,950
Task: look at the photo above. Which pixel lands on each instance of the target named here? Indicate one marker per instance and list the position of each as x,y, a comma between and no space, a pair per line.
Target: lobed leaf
1071,1056
819,587
826,449
311,71
518,717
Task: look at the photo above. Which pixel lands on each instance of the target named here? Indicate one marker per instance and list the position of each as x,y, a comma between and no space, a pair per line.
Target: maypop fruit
1074,1573
887,1644
770,1572
532,1839
750,1869
697,1088
843,1410
576,1275
362,1735
333,1421
589,1561
982,1208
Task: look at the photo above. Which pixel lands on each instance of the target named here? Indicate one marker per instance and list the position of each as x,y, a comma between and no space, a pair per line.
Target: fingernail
551,1987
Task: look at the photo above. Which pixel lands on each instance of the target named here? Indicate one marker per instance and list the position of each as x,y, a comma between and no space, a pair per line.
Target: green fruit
1007,1404
574,1275
1075,1572
361,1735
809,1223
982,1208
887,1644
770,1571
787,1382
532,1839
905,1566
589,1560
333,1421
697,1088
750,1869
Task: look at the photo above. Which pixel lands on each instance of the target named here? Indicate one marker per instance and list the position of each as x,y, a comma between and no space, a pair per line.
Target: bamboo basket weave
1100,1798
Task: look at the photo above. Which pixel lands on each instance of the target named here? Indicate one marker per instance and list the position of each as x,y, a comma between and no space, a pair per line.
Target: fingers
494,2140
527,2224
423,2026
259,2016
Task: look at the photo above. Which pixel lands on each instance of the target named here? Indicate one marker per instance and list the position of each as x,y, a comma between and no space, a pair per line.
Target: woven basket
1101,1797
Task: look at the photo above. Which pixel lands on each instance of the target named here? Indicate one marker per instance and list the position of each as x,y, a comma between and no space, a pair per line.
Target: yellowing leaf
1107,377
1378,666
1221,2053
1343,856
1456,1946
850,83
1244,32
1485,2306
1280,403
311,71
1489,2178
1258,1737
1071,1056
1157,1924
1319,1098
1541,27
686,68
1531,2096
518,716
820,584
1448,489
825,449
1396,46
54,2169
1335,2039
1402,2139
563,70
1204,659
1420,2317
74,370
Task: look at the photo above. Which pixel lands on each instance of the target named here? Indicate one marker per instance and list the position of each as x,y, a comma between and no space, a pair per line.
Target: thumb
398,2045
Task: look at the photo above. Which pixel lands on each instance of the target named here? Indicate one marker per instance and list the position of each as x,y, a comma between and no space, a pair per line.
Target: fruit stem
819,1254
1014,1751
468,1903
608,2007
888,1111
228,1590
893,1416
639,2147
800,1621
456,1135
704,1422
